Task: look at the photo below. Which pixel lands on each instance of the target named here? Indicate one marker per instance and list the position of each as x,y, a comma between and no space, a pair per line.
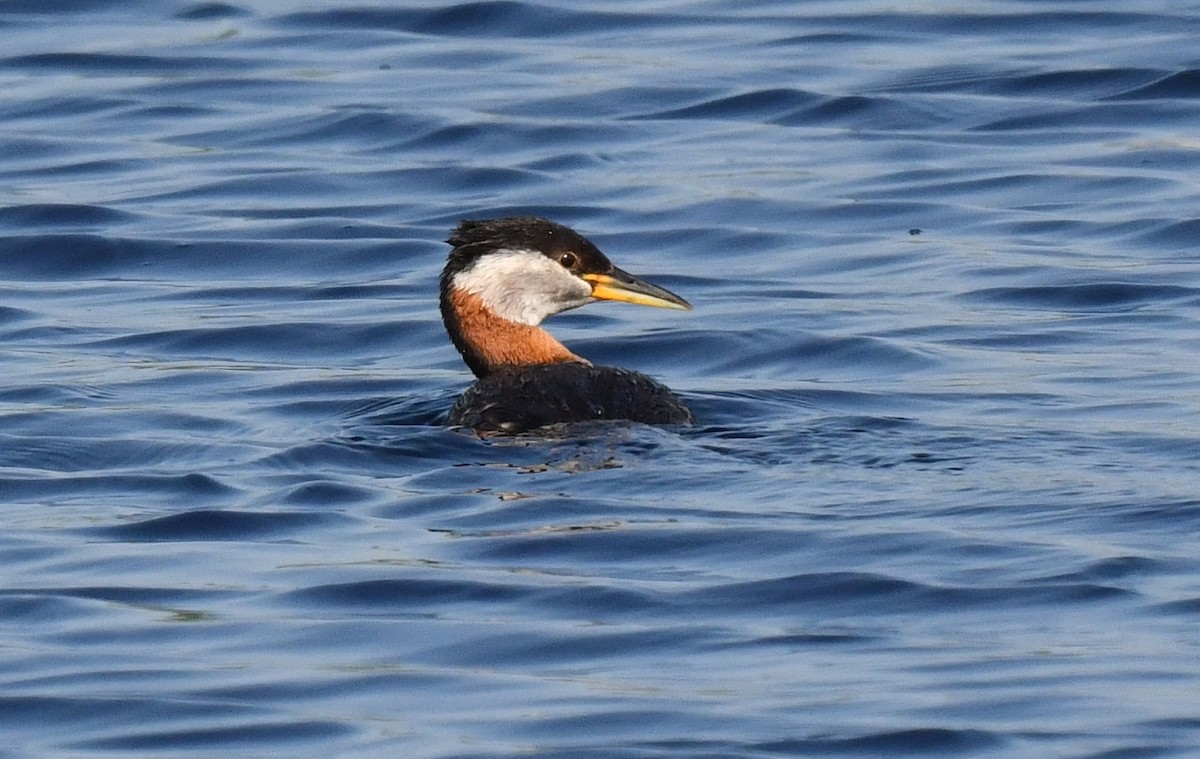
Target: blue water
943,497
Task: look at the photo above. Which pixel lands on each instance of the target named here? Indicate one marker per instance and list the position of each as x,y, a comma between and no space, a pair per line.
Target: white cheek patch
523,286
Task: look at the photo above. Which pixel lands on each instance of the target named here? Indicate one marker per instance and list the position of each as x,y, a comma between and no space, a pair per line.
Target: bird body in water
503,277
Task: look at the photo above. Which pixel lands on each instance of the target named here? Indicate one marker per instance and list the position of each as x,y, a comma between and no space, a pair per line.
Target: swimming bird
502,278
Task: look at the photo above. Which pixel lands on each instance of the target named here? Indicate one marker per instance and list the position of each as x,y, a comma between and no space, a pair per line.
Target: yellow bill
623,286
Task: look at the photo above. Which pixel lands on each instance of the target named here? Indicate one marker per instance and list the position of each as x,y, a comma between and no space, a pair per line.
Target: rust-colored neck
488,342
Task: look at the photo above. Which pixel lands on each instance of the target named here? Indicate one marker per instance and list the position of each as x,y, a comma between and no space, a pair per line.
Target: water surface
942,495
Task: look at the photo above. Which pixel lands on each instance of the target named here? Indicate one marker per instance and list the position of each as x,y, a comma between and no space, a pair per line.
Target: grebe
503,277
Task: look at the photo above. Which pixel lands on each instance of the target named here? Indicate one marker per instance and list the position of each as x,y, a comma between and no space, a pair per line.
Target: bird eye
568,260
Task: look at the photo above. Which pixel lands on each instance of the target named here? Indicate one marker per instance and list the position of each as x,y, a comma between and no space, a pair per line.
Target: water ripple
940,497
